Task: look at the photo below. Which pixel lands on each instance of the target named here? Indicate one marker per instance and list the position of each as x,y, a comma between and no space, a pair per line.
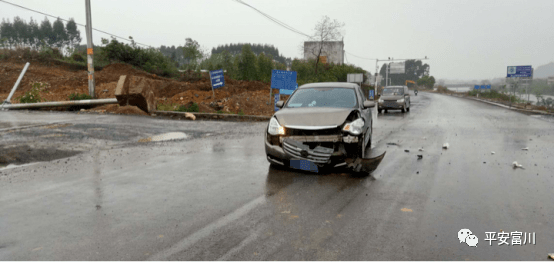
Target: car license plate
304,165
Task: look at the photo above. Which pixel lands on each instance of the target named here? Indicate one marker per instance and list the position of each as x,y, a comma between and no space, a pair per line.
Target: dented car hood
313,116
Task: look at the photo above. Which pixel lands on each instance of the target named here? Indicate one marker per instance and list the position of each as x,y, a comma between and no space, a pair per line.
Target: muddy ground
61,80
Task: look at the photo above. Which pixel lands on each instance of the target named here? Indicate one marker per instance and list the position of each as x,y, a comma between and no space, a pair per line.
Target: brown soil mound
133,110
249,97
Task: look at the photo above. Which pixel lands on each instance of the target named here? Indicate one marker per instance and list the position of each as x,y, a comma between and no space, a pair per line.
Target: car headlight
355,127
400,101
275,128
380,100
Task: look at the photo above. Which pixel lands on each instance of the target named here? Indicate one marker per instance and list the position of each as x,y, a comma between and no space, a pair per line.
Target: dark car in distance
320,125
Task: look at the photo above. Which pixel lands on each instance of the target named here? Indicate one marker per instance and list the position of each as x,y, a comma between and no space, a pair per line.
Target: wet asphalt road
213,196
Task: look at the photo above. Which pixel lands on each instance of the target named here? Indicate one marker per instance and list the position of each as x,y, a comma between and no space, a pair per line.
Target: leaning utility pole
90,63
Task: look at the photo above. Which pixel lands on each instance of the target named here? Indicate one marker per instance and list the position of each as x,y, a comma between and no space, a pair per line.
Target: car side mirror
279,104
369,104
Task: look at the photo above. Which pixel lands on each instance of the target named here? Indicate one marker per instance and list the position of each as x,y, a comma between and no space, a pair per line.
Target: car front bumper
293,148
391,105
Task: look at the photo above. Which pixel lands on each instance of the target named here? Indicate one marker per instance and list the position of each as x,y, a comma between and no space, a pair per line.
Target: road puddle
24,154
170,136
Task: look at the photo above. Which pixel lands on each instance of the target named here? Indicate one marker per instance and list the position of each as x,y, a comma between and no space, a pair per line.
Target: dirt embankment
248,97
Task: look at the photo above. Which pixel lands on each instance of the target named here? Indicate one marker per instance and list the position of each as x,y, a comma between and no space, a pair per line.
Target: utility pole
90,55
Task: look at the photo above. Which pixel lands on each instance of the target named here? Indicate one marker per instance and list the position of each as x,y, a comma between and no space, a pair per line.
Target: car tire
408,109
404,108
386,110
379,110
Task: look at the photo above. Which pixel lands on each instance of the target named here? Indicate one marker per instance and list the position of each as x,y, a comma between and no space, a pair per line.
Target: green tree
73,34
46,32
247,64
192,53
7,34
265,67
34,30
60,35
21,31
426,81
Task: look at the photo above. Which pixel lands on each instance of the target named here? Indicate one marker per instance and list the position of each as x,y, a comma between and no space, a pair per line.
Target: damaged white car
323,125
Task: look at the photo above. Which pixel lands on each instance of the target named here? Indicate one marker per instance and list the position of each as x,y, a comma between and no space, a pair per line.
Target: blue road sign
277,97
488,86
520,71
476,87
282,79
371,94
483,87
217,78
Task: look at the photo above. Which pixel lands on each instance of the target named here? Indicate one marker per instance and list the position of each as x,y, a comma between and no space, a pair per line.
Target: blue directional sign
217,78
483,87
371,94
282,79
488,86
277,97
520,71
476,87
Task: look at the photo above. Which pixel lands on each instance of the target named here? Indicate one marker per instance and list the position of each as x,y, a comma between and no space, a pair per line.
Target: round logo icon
511,70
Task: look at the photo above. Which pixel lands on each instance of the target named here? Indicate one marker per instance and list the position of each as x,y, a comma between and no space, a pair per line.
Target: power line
75,22
274,19
360,57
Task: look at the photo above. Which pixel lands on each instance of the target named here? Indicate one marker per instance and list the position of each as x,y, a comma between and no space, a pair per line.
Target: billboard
520,72
397,68
355,77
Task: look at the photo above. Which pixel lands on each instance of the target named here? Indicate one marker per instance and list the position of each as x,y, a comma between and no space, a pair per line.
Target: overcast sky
462,39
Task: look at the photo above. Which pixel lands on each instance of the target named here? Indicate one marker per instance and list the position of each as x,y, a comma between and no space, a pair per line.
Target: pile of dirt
248,97
133,110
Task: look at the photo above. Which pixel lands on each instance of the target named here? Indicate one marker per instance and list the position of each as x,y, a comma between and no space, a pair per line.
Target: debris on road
420,149
445,146
190,116
551,255
407,150
419,156
525,149
492,152
517,165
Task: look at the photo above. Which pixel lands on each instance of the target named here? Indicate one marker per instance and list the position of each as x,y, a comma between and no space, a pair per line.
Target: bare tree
324,31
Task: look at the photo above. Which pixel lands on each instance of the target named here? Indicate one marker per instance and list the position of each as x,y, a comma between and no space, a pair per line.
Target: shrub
150,60
192,108
33,96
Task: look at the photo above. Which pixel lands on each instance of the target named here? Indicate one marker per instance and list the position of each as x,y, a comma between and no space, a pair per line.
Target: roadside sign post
284,81
217,79
520,74
90,48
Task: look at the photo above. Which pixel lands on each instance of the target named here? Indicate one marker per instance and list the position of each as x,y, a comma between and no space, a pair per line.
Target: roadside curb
211,116
504,106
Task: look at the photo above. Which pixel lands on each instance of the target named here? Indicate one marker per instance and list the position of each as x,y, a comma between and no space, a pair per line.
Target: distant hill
544,71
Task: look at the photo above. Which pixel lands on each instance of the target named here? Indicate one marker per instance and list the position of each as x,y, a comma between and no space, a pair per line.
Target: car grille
291,132
390,104
298,150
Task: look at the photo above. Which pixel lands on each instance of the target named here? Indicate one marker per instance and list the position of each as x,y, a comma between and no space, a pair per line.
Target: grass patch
78,96
493,94
192,108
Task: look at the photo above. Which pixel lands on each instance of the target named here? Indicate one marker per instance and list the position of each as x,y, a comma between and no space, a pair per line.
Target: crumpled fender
364,164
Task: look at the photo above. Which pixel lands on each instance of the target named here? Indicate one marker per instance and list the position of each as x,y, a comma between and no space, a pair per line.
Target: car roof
329,85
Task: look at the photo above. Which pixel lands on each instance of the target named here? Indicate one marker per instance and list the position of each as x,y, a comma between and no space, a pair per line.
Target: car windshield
323,97
393,91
